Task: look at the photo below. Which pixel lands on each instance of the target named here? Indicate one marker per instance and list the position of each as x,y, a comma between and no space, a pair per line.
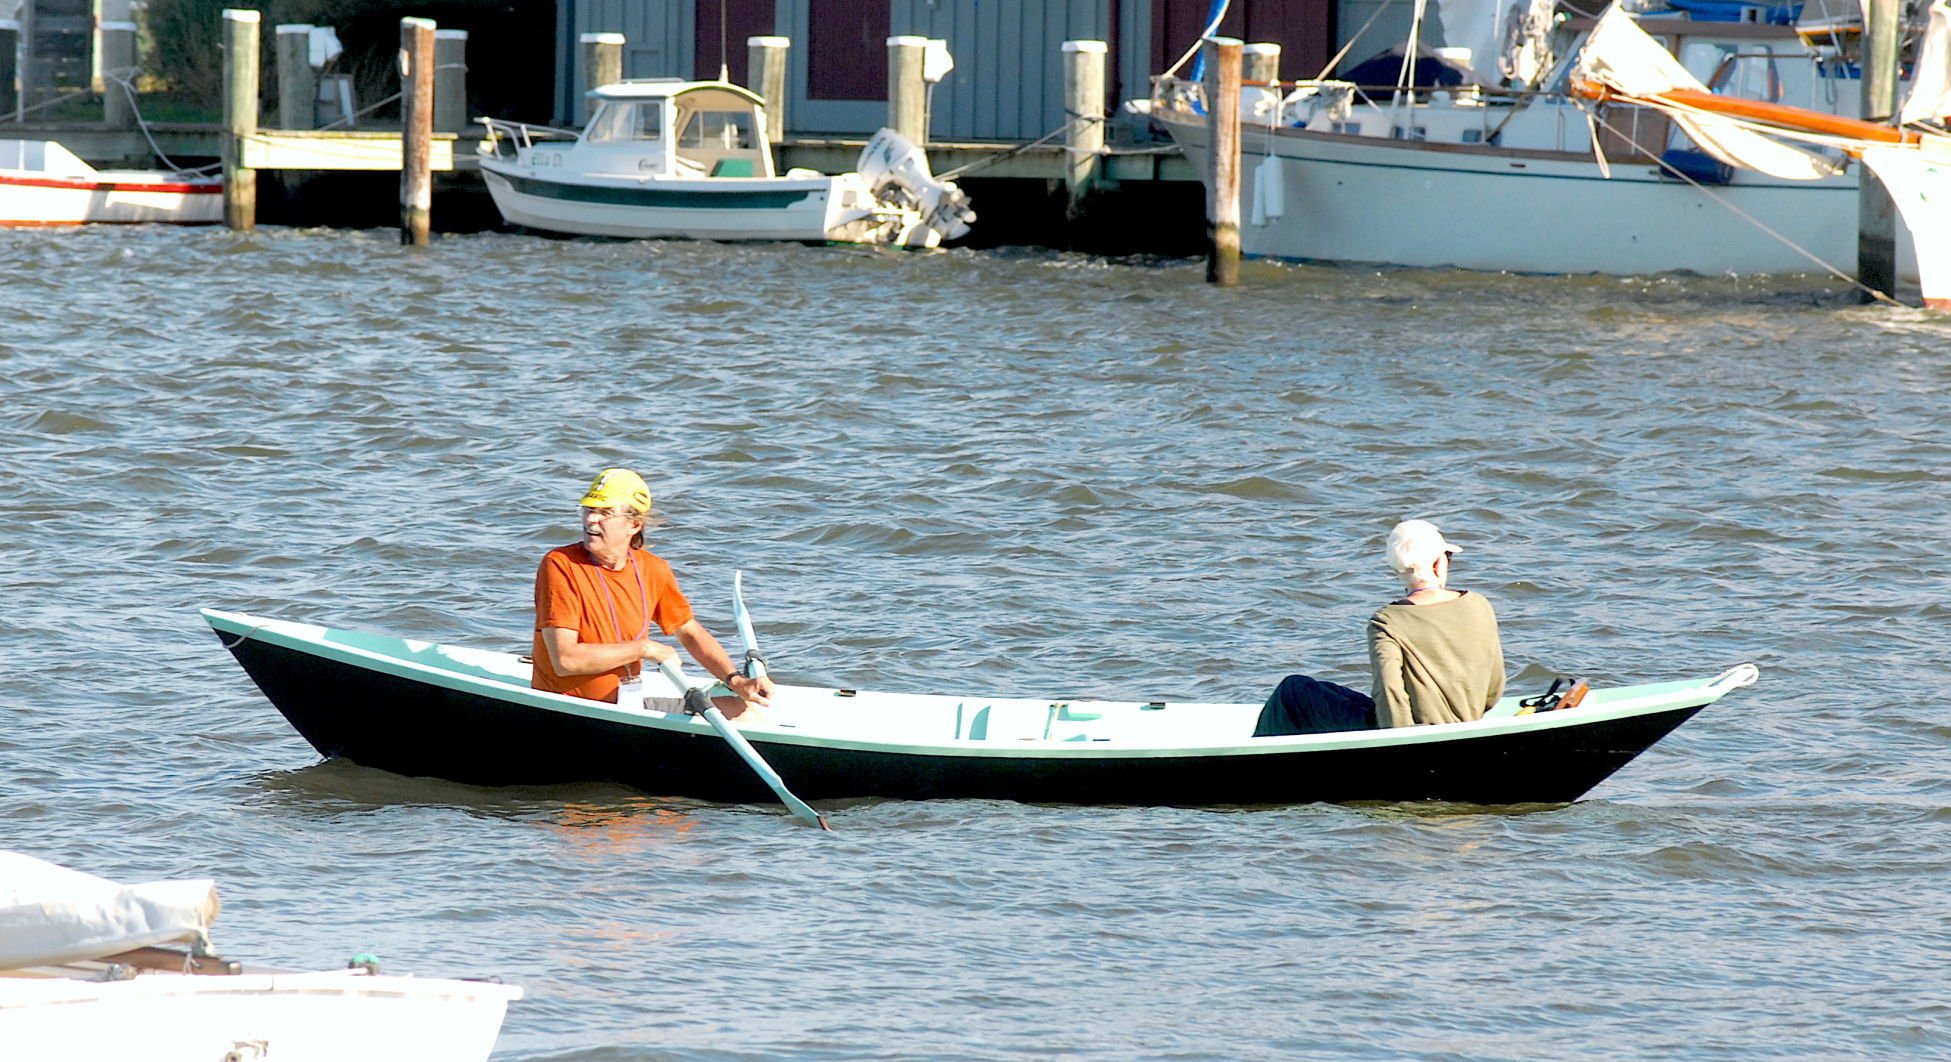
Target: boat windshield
619,122
719,130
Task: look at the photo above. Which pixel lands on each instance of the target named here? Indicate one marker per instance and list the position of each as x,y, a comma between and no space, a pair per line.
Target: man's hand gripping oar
698,702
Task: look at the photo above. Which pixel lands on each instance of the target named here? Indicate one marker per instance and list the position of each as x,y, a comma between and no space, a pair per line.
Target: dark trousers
1303,705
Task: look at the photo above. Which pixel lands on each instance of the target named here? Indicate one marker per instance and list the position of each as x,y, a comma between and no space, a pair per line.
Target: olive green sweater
1437,663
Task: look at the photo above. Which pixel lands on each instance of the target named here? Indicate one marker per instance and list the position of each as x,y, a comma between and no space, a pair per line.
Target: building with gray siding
1007,84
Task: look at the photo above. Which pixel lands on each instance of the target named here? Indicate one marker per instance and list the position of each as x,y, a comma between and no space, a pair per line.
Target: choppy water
1016,473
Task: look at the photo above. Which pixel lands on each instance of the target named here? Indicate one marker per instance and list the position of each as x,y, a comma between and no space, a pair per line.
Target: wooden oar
697,701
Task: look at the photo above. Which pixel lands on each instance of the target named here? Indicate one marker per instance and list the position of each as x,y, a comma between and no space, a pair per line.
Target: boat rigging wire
1212,24
1592,116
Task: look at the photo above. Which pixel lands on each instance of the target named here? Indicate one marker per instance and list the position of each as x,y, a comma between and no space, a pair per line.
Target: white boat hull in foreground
332,1016
95,971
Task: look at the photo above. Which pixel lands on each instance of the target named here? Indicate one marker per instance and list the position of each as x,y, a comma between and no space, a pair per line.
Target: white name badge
630,692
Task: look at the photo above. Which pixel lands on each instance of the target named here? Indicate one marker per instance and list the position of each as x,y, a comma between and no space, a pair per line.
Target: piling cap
1415,544
615,488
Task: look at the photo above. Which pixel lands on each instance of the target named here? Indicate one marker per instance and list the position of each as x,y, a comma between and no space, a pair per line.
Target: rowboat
468,715
94,970
43,183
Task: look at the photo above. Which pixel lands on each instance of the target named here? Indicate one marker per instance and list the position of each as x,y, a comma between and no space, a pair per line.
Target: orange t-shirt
570,593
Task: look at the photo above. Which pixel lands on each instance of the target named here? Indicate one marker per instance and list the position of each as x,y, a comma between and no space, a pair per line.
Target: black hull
396,724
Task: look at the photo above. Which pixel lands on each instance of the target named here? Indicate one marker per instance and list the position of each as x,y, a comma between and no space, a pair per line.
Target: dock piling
297,85
240,44
1223,173
602,65
118,61
766,69
907,91
450,80
416,130
1260,62
1084,63
1876,213
9,66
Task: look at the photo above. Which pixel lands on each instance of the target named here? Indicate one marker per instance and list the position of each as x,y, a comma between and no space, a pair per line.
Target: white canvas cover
1509,40
1621,56
50,914
1919,181
1930,85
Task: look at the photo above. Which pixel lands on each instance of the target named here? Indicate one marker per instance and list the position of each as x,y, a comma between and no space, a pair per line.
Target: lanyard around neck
643,590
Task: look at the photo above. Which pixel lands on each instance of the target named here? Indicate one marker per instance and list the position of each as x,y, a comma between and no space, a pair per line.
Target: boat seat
732,168
1008,722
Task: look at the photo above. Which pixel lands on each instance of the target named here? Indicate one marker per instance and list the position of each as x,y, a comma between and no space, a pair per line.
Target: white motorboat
1484,175
93,970
691,159
43,183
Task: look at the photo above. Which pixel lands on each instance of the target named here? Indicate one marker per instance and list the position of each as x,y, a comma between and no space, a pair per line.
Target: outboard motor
897,172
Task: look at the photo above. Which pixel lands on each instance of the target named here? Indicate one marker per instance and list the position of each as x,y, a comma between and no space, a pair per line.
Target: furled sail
1930,86
1620,56
50,914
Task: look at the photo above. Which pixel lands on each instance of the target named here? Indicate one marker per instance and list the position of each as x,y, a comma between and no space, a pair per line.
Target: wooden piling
1084,63
765,67
118,61
297,83
416,130
450,80
1223,168
602,65
240,44
1876,213
9,65
907,92
1260,62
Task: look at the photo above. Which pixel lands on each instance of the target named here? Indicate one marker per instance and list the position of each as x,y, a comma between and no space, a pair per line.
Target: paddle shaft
696,700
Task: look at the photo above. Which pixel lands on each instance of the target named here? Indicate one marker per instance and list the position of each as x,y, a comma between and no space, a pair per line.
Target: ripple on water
1179,493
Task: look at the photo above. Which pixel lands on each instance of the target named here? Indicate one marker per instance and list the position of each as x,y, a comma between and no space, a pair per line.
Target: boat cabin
678,128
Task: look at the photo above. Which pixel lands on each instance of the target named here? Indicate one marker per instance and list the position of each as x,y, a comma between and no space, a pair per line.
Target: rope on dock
991,160
124,78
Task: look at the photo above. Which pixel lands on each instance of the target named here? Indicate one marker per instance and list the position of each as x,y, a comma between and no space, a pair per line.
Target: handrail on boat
521,135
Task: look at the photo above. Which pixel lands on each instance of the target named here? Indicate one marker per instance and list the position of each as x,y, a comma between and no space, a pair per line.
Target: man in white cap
1434,654
596,599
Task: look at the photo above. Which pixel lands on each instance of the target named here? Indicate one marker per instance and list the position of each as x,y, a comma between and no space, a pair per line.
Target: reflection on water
1002,473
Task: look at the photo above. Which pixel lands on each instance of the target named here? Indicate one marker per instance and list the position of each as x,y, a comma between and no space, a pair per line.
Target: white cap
1415,544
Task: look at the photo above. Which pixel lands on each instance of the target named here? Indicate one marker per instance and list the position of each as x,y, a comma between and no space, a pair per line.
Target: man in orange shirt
596,599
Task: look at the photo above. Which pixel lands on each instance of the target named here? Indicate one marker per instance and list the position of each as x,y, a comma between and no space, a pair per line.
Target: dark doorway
723,26
846,59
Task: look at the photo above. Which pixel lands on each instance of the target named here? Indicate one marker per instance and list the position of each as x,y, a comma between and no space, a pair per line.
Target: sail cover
50,914
1622,57
1930,86
1509,40
1919,182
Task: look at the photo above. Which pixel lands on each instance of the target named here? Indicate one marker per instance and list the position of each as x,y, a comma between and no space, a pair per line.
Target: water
1015,473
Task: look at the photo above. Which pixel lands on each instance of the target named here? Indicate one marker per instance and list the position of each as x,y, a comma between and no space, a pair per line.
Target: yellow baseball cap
618,488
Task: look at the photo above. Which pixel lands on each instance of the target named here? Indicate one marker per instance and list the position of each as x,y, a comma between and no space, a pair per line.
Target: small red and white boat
43,183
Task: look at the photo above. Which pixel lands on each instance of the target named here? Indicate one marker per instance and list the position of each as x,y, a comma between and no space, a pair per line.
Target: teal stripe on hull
666,198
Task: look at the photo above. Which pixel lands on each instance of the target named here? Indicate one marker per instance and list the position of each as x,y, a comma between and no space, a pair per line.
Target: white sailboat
95,971
1510,171
1912,158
